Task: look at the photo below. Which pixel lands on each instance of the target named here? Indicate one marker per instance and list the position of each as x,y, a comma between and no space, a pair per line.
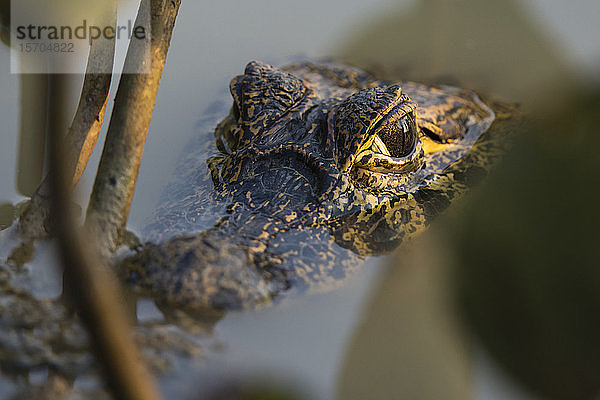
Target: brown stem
83,134
89,284
118,170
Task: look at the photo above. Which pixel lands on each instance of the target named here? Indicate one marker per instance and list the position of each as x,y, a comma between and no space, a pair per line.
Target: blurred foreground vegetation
518,261
527,258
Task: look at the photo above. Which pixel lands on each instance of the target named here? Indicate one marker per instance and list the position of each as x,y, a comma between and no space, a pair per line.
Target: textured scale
293,206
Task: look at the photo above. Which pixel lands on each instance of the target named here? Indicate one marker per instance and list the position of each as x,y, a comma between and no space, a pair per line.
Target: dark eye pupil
400,137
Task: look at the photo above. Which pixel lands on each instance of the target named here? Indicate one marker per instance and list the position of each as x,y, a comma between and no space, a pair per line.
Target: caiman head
370,159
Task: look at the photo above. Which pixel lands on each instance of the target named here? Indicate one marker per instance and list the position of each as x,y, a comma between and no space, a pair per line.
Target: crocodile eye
397,139
376,137
391,153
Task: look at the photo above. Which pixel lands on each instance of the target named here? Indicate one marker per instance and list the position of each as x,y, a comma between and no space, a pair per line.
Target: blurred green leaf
492,46
255,391
527,257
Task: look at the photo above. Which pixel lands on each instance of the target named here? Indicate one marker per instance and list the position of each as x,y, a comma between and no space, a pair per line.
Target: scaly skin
318,166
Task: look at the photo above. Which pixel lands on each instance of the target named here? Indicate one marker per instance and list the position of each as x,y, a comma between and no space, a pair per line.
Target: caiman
316,167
